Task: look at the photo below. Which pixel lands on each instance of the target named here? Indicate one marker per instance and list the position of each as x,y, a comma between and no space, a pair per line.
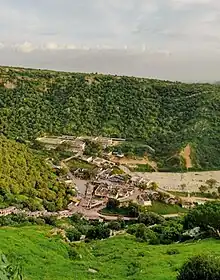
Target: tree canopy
26,180
165,116
206,216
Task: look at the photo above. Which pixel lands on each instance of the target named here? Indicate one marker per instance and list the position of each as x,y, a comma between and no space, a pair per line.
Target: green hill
27,181
166,116
47,258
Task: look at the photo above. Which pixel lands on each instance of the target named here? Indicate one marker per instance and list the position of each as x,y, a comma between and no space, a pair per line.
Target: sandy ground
173,181
80,184
130,161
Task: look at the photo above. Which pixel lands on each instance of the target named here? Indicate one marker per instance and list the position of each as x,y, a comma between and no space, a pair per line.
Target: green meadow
43,256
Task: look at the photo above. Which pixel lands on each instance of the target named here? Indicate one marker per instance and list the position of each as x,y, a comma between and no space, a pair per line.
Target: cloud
26,47
171,29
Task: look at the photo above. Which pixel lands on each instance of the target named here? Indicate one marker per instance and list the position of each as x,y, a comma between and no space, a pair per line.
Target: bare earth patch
91,80
186,154
9,85
173,181
135,161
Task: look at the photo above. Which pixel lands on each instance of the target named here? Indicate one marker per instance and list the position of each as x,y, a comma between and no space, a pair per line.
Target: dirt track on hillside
186,154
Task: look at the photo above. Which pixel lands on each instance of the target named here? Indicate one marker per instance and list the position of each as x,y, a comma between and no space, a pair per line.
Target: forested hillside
166,116
27,181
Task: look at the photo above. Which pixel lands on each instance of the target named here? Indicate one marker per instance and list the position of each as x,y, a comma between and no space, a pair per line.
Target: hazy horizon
175,40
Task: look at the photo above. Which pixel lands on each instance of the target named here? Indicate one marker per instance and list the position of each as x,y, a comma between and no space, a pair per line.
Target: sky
166,39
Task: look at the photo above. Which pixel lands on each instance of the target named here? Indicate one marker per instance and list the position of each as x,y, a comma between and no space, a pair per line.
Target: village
96,180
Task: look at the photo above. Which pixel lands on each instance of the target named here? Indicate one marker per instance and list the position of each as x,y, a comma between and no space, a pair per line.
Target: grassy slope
166,209
47,259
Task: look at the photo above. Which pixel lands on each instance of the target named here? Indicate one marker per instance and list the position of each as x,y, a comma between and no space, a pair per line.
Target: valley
107,177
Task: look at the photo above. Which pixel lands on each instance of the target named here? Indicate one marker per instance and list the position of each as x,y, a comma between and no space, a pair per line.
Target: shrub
132,229
50,220
172,252
150,218
76,218
145,233
133,268
72,253
73,234
114,225
122,223
98,232
200,267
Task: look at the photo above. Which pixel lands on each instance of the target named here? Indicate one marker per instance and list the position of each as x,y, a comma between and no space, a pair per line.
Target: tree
211,183
200,267
203,188
27,180
112,203
93,148
206,216
183,186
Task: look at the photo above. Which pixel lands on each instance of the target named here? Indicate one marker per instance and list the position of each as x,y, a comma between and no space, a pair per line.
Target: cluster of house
107,190
71,143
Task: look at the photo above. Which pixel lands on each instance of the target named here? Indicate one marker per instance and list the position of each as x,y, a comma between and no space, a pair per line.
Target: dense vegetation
163,115
200,267
206,216
27,181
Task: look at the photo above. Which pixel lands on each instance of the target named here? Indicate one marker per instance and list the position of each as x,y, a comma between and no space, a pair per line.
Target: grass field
165,209
75,164
117,211
117,258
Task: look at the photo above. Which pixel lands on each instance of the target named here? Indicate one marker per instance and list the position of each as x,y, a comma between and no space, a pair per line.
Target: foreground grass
46,258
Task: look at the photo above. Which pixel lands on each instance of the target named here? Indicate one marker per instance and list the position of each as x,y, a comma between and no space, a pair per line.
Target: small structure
144,200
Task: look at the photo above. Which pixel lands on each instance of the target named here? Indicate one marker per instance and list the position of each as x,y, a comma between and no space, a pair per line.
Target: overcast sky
167,39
